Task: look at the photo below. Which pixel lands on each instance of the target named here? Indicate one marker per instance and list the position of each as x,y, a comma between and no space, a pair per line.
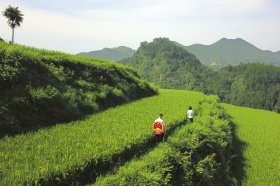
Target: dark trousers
191,119
159,137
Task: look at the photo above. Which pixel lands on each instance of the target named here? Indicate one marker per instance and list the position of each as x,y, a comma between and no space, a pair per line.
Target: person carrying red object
158,129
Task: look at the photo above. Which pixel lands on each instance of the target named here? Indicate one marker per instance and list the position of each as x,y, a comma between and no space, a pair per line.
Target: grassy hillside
78,153
198,153
202,152
39,88
259,131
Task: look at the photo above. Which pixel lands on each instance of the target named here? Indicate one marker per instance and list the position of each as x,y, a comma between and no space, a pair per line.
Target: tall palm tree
14,16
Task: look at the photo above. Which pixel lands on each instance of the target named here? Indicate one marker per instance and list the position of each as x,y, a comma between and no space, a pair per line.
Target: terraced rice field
260,132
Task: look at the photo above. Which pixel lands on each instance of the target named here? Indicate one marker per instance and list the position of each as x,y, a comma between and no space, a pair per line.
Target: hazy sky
74,26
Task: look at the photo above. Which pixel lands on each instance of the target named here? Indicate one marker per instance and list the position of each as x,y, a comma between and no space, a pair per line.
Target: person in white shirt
190,114
159,137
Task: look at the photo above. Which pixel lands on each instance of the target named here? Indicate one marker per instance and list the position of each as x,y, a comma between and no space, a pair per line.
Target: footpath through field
67,153
197,153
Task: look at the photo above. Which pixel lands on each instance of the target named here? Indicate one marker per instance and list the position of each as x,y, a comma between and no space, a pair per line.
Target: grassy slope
186,157
71,154
40,88
81,145
259,130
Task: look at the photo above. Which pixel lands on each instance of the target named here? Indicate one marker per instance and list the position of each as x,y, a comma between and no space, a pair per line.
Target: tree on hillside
14,16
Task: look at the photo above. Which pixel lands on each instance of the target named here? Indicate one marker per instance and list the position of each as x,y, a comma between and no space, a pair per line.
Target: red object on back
158,128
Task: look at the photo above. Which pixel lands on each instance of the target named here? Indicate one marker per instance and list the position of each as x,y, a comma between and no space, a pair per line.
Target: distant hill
231,51
168,65
114,54
221,53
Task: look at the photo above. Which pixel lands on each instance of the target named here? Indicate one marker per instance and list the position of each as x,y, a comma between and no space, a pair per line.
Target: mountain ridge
114,54
169,66
218,54
231,51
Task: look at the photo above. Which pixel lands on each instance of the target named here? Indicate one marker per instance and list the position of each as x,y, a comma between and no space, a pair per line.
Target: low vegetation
78,152
198,153
62,154
41,88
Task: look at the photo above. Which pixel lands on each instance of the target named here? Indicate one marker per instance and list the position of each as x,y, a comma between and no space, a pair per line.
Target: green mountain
168,65
114,54
221,53
231,51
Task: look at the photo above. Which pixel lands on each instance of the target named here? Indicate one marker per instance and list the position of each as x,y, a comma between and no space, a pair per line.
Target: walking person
158,129
190,114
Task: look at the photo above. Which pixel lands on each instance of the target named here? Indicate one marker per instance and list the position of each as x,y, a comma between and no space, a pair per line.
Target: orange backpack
158,128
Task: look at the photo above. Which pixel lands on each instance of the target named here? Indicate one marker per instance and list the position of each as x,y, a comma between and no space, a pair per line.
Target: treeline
170,66
40,88
253,85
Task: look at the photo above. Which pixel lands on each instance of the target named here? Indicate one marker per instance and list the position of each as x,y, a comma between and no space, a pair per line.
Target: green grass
40,88
260,130
197,153
66,150
63,152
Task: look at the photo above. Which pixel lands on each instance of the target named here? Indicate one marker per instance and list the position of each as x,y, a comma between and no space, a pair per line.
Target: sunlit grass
28,158
259,129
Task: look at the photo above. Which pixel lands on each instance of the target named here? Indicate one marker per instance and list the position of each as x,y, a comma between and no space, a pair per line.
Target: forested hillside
39,88
169,66
231,51
253,85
